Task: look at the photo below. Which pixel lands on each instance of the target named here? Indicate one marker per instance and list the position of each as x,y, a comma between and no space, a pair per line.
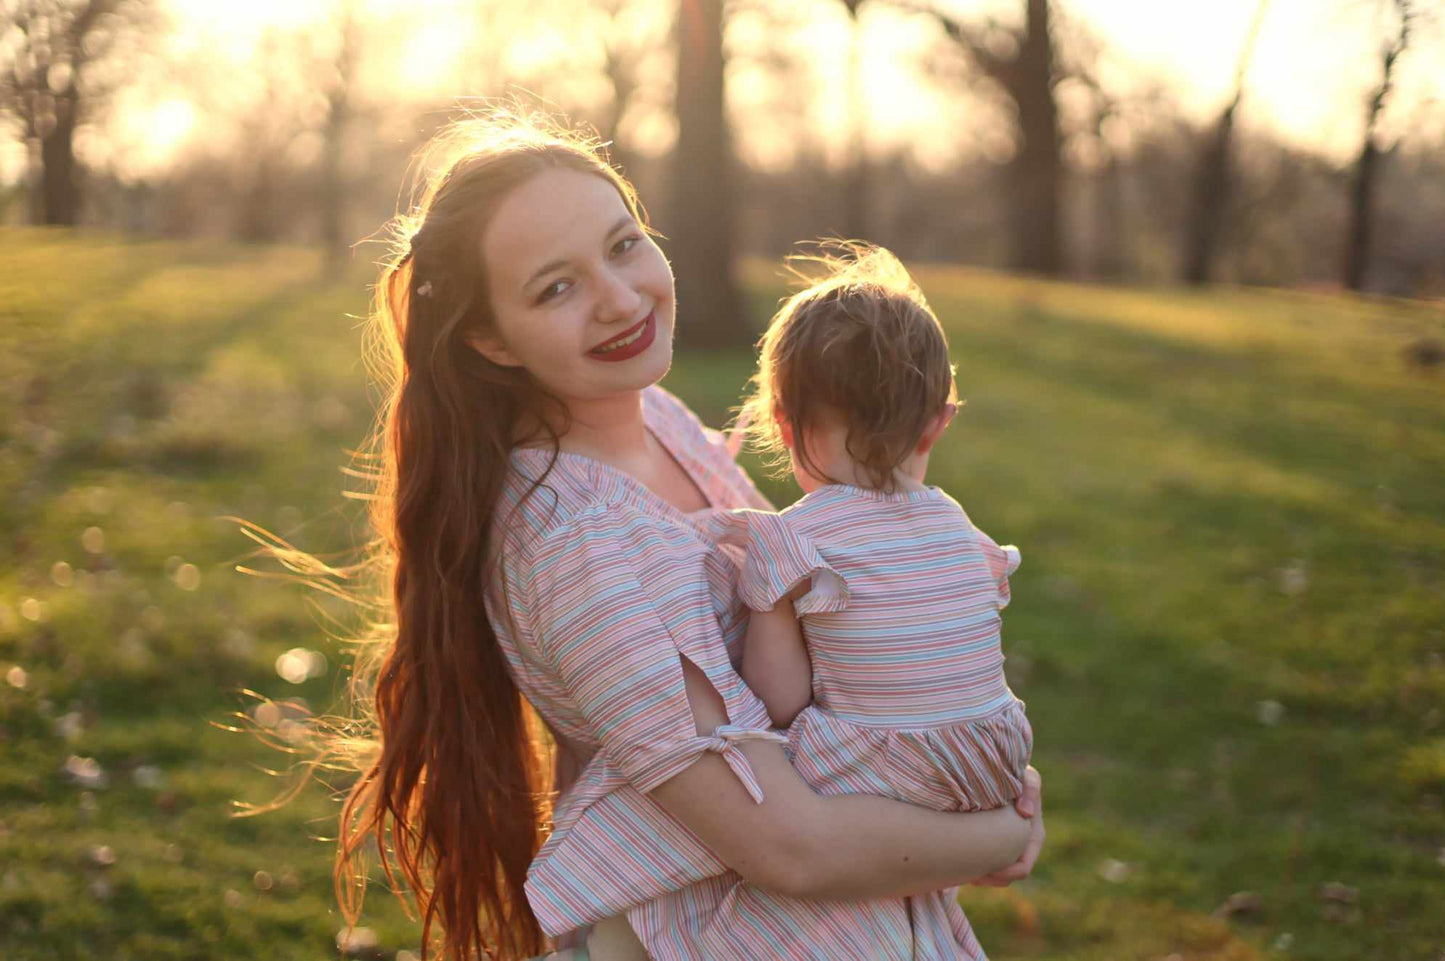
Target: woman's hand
1030,805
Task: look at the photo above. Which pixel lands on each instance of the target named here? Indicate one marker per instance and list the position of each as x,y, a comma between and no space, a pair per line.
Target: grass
1229,626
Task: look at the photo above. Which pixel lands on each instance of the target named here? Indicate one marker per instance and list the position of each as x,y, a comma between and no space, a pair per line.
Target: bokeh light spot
93,540
187,577
294,666
62,574
266,714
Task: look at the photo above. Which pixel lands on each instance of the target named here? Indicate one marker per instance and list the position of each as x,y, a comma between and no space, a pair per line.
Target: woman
539,508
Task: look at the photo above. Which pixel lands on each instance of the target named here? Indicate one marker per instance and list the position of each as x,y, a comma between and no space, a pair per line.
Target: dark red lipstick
634,340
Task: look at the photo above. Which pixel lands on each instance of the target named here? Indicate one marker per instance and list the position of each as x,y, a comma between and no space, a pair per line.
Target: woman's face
581,295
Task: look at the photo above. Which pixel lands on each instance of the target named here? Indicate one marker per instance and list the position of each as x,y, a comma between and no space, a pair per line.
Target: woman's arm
775,662
802,844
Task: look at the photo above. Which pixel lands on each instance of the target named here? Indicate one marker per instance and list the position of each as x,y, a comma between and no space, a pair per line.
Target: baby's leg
610,940
613,940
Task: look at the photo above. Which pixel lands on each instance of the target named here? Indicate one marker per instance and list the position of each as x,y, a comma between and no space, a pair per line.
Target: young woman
541,511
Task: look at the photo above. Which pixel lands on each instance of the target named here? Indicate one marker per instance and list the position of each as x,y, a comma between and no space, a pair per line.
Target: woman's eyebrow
546,268
626,220
623,222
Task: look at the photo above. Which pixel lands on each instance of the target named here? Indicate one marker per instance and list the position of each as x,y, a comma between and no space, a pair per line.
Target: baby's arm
775,660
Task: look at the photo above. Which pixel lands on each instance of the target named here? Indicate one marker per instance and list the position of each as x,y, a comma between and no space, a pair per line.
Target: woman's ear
936,427
492,348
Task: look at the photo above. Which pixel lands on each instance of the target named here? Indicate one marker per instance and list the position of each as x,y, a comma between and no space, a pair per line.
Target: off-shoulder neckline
604,475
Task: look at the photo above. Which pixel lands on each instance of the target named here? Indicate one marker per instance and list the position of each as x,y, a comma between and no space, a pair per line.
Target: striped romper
902,627
603,587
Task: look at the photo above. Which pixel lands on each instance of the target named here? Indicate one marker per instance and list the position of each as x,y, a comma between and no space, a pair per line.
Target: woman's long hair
454,785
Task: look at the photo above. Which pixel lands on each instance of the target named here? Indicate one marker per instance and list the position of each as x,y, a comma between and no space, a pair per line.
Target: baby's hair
859,343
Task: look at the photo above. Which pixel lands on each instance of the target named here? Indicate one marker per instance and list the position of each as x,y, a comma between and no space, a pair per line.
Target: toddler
896,593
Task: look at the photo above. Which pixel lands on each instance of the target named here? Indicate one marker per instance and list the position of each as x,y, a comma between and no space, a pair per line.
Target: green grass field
1229,626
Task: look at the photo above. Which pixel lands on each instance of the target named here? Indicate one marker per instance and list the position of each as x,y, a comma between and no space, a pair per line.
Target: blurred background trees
61,60
1021,134
1210,199
1362,191
700,220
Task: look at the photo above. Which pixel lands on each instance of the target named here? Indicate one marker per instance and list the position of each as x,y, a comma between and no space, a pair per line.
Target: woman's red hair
454,783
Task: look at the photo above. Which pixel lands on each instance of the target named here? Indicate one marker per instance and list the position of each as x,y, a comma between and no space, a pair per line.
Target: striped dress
902,626
603,588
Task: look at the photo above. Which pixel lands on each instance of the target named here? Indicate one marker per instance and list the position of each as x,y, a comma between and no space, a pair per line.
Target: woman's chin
650,367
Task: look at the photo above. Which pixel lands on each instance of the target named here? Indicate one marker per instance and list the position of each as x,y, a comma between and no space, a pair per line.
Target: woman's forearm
863,846
871,847
802,844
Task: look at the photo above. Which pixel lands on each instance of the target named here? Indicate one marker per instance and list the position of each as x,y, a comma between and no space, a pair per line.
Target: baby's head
854,377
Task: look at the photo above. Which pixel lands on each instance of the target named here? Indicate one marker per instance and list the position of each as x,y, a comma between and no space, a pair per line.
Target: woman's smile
631,342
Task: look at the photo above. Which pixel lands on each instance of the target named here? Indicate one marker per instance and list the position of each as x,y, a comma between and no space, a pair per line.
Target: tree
1105,114
339,93
1362,188
53,54
626,31
701,214
1021,61
1210,198
856,199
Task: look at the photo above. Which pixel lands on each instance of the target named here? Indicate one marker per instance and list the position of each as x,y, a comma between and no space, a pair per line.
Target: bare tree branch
971,39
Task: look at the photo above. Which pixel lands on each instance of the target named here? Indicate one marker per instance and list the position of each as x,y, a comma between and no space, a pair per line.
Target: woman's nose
618,299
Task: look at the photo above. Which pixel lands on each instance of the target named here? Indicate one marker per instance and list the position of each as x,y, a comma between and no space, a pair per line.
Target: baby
874,597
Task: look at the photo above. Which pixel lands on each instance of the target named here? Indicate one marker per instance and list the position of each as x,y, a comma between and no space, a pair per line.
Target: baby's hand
1030,805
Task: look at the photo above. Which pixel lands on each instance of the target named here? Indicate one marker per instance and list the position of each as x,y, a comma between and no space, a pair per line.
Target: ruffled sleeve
1002,561
616,645
779,557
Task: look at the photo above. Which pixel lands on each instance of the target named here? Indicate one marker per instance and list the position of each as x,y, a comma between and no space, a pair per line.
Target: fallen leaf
1241,902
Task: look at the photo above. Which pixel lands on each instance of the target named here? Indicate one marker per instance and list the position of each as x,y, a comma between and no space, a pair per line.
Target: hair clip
424,290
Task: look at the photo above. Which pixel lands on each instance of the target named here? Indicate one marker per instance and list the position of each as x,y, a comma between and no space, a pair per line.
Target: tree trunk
1362,195
856,200
258,222
340,112
333,197
1205,224
1204,227
1036,175
1109,222
709,312
1362,192
617,68
59,178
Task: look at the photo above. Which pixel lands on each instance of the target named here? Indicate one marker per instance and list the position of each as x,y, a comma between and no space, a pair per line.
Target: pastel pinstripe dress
603,586
902,627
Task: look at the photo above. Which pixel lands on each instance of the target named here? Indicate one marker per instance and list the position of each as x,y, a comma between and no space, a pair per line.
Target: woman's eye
625,244
553,289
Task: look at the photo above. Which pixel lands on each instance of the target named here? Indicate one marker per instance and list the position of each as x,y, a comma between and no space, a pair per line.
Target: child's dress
902,627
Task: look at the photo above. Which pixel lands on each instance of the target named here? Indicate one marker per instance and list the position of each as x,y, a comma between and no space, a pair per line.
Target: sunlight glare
429,53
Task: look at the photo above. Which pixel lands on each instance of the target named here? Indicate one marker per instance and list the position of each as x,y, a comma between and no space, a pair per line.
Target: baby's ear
785,428
936,427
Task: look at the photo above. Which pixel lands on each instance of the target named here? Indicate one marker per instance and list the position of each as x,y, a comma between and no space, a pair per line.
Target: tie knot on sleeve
724,742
